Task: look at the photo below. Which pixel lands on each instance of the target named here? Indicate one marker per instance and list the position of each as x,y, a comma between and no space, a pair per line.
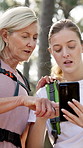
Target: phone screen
67,92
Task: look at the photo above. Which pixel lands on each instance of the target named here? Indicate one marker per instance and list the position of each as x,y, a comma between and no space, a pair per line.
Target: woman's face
66,48
21,43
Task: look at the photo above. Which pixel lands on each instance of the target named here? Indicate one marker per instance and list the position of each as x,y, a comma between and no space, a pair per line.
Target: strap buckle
8,73
6,135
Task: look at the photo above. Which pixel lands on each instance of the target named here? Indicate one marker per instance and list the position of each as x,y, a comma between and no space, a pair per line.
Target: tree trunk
26,65
27,3
44,59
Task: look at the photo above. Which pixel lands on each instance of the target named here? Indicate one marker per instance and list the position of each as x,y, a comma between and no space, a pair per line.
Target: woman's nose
65,53
31,43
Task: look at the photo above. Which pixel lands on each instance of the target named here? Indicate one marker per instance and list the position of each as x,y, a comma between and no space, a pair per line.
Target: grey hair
15,19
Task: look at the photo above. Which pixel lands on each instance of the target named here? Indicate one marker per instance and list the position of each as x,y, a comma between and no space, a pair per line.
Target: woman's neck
11,62
8,59
75,76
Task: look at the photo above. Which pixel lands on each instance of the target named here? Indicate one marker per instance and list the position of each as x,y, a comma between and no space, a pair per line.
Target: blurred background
48,11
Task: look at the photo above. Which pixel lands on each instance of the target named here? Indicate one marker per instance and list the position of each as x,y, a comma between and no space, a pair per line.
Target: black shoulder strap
25,80
13,77
8,136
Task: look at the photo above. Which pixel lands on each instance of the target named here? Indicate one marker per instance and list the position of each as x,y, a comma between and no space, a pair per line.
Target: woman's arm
78,108
37,130
9,103
40,105
36,135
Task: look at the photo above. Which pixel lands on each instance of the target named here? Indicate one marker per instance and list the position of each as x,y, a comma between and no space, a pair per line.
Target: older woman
18,36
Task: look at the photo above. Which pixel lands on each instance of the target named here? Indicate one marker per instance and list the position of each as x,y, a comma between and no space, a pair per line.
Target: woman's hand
50,110
46,79
43,106
78,108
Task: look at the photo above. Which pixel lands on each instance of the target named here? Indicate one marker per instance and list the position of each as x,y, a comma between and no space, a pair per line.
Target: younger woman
65,44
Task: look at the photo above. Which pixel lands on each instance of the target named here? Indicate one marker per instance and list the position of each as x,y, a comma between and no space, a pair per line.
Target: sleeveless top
16,119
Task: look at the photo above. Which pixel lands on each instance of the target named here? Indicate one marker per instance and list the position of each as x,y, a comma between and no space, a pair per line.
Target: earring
7,44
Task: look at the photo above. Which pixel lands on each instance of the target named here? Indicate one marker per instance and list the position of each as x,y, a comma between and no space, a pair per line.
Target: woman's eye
35,38
24,36
57,49
71,47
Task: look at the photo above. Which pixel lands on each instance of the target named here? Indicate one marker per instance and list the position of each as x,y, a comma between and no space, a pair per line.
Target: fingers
78,120
76,110
45,108
41,83
44,80
69,116
79,106
40,107
56,107
48,79
50,111
69,119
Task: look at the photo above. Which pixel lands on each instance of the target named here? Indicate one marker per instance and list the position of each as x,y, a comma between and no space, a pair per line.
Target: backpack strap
25,81
52,93
7,135
14,78
14,138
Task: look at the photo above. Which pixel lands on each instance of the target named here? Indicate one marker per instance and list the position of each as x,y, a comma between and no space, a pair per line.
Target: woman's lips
68,62
27,51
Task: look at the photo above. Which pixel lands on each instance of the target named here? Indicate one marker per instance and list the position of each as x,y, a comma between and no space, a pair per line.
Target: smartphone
67,92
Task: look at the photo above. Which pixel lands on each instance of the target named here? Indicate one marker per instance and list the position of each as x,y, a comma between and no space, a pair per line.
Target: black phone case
67,92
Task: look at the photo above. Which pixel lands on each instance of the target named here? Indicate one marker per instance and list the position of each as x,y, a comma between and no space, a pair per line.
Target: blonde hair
15,19
56,71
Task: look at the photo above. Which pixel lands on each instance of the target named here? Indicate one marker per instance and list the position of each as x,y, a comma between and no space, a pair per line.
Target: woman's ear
49,49
4,35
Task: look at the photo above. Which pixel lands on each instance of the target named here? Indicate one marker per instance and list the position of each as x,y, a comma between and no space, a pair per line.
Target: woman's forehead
64,34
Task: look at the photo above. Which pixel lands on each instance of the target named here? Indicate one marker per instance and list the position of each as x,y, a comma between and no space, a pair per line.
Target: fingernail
73,100
68,102
62,109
